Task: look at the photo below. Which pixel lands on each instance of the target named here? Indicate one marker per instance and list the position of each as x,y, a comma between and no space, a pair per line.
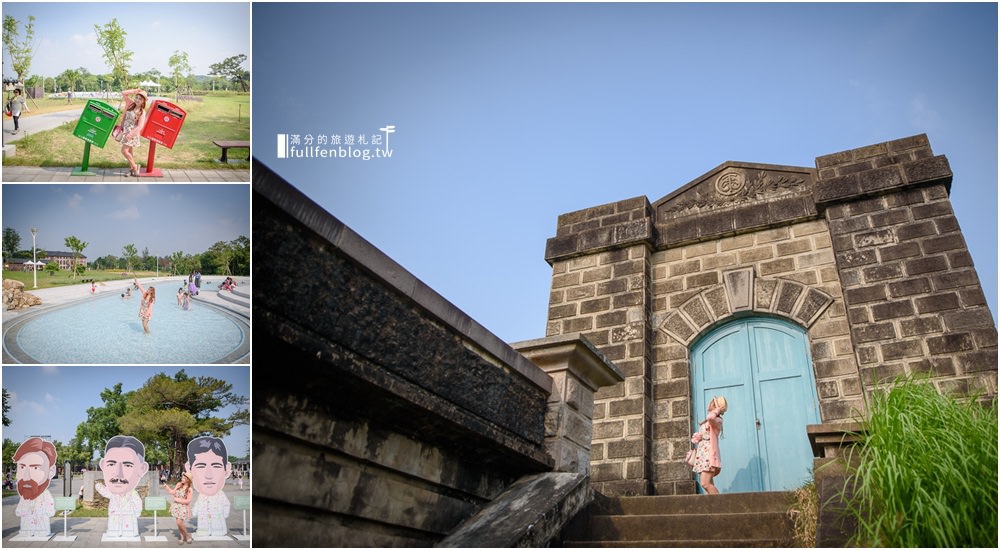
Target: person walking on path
146,304
707,461
135,118
180,509
17,105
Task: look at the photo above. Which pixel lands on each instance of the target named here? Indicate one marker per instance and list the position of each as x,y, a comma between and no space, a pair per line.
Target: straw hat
721,403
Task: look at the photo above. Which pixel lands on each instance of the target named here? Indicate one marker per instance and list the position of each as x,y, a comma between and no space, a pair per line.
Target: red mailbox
163,123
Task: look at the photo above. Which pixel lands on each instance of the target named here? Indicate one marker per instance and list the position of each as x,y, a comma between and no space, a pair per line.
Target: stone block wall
695,288
914,298
863,251
392,416
605,296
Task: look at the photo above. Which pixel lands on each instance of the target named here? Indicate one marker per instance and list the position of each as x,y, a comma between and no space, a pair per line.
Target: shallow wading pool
106,329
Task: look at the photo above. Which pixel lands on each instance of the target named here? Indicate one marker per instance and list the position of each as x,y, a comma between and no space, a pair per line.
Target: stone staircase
729,520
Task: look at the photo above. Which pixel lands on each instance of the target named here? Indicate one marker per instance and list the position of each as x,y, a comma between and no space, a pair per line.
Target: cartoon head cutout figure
208,464
123,464
36,466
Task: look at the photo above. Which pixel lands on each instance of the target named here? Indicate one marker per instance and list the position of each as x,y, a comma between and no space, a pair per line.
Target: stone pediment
734,184
735,197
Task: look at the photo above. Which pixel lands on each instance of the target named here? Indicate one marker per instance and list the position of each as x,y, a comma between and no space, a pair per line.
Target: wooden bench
227,145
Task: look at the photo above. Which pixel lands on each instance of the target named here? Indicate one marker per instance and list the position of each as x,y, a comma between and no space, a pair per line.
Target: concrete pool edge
236,312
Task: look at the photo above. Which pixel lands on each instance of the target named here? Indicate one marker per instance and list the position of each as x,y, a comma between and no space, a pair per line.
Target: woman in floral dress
180,509
135,118
707,461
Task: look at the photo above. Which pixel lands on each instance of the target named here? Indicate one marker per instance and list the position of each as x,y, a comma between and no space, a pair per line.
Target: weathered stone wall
391,416
792,273
605,295
913,295
863,251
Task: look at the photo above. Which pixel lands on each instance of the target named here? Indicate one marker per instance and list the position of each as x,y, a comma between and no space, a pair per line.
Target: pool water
106,329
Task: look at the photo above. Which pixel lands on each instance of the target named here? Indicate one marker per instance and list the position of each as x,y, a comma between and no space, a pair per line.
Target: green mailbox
95,125
96,122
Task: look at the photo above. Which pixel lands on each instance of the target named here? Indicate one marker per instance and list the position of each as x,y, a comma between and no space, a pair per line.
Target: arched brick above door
741,291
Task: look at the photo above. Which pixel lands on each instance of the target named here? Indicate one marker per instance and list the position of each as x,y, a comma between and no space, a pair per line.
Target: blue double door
763,368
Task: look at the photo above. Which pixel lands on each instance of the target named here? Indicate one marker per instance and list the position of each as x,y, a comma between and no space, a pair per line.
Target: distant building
64,259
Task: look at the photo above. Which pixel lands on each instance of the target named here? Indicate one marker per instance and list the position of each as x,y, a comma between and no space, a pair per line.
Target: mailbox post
94,127
163,124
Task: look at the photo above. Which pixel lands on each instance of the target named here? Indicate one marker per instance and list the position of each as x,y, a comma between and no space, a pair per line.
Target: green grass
63,277
927,475
215,117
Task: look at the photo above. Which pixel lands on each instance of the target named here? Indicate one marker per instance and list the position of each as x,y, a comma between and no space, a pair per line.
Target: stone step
678,504
700,543
730,520
712,526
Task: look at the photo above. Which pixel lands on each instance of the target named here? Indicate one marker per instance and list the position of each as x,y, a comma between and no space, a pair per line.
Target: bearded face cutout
36,465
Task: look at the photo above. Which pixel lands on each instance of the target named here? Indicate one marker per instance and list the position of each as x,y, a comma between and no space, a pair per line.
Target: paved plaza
89,531
65,174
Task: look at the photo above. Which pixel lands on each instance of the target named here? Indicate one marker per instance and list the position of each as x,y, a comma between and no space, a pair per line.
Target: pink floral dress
706,456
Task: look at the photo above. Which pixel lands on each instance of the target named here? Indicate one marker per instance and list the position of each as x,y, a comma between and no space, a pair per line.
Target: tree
102,422
6,408
52,268
77,246
111,37
72,78
73,452
147,260
179,68
11,242
241,255
9,448
175,410
231,68
129,253
21,51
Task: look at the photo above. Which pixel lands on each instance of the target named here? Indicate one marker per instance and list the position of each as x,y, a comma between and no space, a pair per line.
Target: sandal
190,540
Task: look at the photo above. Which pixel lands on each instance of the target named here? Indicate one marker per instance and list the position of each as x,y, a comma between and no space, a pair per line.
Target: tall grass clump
927,474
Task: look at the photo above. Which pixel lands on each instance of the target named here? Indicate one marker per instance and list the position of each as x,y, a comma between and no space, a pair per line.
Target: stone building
793,291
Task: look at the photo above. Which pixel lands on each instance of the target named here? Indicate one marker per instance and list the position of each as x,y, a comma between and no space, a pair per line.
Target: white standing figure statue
36,466
208,464
123,466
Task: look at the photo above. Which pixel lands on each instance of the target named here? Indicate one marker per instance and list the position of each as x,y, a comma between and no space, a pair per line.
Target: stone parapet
578,370
402,416
607,227
880,168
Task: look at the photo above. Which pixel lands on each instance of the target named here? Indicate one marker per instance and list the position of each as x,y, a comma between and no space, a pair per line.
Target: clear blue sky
65,38
508,115
166,218
53,401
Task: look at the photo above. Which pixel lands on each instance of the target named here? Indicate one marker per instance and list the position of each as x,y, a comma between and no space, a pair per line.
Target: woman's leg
15,123
127,153
145,325
180,530
708,484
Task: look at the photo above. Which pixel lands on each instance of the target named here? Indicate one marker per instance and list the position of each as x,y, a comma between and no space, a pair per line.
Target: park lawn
63,277
213,118
42,106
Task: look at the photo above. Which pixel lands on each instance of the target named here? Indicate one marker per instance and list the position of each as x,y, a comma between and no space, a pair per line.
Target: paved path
64,174
88,531
38,123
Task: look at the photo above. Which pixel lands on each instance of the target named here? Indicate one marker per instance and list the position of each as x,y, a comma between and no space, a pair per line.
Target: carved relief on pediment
734,185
